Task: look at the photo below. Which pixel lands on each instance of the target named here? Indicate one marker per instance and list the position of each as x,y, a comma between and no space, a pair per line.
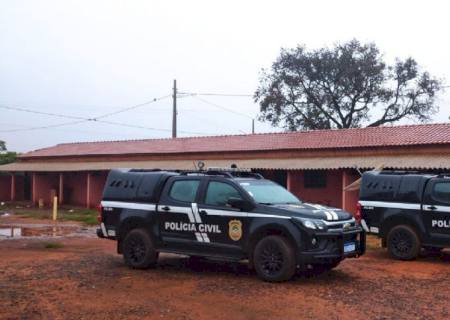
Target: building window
314,179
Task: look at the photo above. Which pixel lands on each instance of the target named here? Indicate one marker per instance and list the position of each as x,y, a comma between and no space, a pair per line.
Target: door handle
166,208
431,208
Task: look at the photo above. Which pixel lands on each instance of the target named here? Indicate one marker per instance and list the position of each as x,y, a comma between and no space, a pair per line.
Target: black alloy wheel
271,259
138,249
403,243
274,259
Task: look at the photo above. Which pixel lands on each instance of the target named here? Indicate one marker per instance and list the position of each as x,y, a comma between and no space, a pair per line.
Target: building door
27,186
281,177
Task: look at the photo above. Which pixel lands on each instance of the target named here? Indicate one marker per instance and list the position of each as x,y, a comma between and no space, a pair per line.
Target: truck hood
313,211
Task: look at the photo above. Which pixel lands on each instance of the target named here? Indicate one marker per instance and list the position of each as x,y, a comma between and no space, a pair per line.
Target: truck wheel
274,259
138,249
403,243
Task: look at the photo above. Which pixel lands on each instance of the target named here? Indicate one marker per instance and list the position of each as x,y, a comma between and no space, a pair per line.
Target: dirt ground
83,278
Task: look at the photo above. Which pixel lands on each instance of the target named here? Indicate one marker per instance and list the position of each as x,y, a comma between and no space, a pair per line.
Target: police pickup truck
407,210
223,214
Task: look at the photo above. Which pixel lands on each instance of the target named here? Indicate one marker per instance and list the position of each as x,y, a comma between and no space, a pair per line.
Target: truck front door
223,227
436,211
177,222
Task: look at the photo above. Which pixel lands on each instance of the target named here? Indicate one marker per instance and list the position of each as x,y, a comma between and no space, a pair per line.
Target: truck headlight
311,223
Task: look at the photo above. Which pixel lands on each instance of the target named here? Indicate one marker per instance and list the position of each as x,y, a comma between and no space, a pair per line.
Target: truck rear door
436,210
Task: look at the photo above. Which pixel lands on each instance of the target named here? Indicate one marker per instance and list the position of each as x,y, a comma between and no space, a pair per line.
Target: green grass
85,216
88,217
53,245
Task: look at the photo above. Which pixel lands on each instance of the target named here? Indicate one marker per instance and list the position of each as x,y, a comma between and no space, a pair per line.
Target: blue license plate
349,247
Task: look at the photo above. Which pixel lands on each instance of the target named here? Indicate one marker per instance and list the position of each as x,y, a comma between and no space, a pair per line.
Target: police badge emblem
235,230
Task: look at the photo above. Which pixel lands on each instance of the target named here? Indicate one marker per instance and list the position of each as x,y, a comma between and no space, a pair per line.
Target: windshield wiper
266,203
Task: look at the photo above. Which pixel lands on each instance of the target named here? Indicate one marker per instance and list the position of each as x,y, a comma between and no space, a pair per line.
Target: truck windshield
267,192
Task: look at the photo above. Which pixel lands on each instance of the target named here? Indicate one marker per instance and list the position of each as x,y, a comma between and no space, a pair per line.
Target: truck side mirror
240,204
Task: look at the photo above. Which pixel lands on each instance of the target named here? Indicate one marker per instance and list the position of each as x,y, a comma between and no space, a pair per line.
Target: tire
403,243
274,259
138,250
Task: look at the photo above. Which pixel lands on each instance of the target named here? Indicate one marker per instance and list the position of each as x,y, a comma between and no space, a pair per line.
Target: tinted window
218,193
184,190
441,192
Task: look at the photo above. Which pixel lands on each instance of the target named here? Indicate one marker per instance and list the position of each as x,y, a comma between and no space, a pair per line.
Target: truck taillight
99,209
358,215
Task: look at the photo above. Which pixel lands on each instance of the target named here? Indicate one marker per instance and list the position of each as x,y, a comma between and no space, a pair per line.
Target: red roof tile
427,134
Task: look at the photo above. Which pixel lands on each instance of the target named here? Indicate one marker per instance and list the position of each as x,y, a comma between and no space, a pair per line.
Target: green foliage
88,217
346,86
53,245
85,216
8,157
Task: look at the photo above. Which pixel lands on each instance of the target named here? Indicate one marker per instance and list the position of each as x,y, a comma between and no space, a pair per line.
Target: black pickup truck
407,210
223,214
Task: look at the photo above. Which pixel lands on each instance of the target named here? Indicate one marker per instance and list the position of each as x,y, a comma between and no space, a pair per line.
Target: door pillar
33,188
13,187
345,182
61,189
289,179
88,190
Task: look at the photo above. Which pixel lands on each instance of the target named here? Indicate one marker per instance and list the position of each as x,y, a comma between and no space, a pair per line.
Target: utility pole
253,126
174,112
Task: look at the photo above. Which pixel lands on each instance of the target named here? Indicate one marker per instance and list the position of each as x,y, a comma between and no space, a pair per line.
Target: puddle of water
10,232
20,232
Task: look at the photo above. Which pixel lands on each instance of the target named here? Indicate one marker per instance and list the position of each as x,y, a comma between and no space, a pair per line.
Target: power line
133,107
98,118
82,120
43,113
216,94
147,128
222,107
45,127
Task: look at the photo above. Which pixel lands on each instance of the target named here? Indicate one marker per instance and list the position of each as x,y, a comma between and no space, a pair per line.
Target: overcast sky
88,58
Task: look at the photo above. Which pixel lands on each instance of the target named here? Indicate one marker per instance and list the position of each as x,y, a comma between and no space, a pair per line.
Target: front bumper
330,246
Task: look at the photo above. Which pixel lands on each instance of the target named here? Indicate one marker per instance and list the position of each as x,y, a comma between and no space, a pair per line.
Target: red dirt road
86,280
